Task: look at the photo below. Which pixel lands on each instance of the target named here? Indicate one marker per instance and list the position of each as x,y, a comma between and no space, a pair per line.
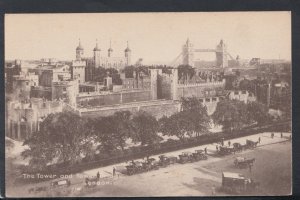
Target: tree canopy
145,128
185,71
61,139
232,114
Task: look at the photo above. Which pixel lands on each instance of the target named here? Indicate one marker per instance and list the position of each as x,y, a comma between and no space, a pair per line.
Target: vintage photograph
148,104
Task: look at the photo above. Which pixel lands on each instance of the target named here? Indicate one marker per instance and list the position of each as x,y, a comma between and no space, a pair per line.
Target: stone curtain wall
156,108
114,98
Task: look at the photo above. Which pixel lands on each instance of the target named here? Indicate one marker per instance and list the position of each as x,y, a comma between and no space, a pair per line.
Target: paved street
211,149
177,179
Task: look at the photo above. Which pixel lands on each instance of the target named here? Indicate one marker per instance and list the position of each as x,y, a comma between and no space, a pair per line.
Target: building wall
96,99
24,118
244,96
65,90
41,92
78,70
155,108
200,90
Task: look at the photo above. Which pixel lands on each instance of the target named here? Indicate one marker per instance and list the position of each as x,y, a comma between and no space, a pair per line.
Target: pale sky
152,36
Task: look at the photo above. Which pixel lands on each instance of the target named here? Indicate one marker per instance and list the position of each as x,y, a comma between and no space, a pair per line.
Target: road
191,179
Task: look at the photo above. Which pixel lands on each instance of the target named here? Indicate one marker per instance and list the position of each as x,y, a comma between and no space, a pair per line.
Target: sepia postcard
148,104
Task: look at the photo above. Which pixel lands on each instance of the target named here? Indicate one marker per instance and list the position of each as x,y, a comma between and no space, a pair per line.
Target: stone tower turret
110,50
154,74
221,55
97,55
128,55
188,53
79,51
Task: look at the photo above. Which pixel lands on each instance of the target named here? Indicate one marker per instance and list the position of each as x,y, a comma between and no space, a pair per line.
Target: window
236,92
27,83
243,92
201,100
214,99
207,100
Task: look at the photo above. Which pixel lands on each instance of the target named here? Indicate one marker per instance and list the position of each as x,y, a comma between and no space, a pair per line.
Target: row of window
210,100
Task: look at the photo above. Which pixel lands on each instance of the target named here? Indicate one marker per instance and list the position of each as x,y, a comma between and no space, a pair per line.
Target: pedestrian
229,143
281,136
259,140
272,135
205,150
114,171
98,175
222,142
217,148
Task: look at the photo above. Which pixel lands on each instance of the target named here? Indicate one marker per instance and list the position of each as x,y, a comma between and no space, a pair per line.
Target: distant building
242,95
84,67
49,73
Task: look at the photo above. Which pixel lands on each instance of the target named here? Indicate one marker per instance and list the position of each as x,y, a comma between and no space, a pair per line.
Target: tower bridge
188,52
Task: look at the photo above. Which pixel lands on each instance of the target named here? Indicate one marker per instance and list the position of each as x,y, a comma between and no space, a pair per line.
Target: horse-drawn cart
235,183
242,162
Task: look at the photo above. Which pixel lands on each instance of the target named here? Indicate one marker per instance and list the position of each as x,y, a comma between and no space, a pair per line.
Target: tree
175,125
99,74
129,70
232,114
246,84
61,139
145,128
122,127
104,132
258,113
185,71
115,76
194,111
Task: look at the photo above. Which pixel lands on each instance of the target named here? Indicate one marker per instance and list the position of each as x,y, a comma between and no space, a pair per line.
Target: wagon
134,168
150,164
186,157
199,155
237,183
226,151
238,147
164,160
242,162
251,144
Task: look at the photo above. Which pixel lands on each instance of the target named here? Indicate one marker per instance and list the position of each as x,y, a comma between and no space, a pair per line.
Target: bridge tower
221,55
188,53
